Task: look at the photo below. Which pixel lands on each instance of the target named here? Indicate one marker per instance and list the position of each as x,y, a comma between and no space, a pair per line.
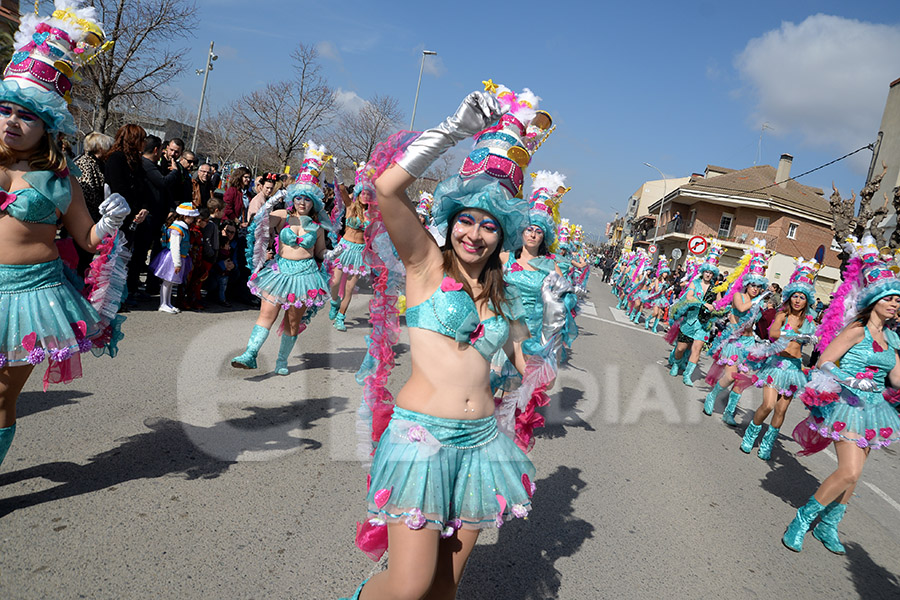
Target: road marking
628,325
588,308
619,316
878,491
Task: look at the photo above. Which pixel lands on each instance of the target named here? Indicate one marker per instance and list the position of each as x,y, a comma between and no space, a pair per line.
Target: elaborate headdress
751,269
577,235
662,266
803,280
307,182
563,235
547,192
491,176
362,182
423,208
759,262
711,263
878,278
49,51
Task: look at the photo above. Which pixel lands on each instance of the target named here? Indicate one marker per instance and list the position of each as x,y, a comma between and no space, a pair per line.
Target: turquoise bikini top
355,223
450,311
38,203
288,237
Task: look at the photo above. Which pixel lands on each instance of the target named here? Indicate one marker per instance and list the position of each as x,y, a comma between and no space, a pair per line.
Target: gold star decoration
490,86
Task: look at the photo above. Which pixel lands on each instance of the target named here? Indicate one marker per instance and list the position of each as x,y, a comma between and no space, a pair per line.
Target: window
693,217
762,224
725,225
792,231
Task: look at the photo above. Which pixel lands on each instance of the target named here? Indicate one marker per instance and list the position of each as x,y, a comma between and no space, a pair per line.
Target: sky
679,85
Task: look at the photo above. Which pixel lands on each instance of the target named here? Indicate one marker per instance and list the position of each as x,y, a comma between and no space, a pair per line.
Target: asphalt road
165,473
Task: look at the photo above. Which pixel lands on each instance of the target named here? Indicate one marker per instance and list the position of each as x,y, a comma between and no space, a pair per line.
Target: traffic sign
652,248
676,253
697,244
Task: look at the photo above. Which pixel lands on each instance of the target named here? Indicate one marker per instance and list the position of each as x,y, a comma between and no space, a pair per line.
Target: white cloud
825,79
347,101
328,50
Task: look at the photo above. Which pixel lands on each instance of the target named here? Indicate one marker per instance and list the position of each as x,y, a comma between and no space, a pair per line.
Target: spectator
159,190
124,173
216,212
776,294
270,180
203,254
170,162
225,271
766,318
201,187
96,145
235,207
216,177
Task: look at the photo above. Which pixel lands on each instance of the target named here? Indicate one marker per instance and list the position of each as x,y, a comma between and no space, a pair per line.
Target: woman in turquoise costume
781,374
694,311
850,403
658,294
732,347
347,257
442,470
291,281
42,315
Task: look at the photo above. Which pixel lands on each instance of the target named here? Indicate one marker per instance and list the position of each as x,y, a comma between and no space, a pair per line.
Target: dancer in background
659,294
42,314
292,281
781,374
346,259
850,403
731,348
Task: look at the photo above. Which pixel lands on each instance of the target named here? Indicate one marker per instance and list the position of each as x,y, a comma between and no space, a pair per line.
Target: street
166,473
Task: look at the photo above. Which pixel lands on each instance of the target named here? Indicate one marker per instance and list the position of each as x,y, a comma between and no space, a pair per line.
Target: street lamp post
662,201
209,67
418,85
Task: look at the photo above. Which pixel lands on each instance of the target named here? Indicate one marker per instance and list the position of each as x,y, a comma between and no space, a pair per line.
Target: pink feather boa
726,299
834,319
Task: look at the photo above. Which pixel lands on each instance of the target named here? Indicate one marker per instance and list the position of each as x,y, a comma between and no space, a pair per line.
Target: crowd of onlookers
155,177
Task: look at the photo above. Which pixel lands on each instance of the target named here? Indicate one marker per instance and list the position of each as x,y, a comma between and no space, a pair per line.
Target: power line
794,178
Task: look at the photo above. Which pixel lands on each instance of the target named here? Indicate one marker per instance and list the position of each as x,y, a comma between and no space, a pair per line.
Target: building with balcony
639,202
735,206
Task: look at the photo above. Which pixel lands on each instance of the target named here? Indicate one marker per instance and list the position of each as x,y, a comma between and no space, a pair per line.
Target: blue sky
676,84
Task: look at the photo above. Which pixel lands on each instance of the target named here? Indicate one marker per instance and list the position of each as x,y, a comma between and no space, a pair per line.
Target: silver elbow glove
552,291
863,385
476,113
113,211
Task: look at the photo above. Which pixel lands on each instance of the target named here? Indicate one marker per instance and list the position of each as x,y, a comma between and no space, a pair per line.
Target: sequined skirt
783,373
348,257
864,418
297,283
447,473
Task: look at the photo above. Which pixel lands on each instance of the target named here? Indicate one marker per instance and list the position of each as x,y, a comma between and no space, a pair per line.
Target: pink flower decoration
862,443
516,267
415,520
450,285
6,199
477,334
519,511
417,433
2,360
448,531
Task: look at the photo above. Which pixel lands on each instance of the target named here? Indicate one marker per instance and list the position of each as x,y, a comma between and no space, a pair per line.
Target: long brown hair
130,141
493,287
356,210
47,156
237,176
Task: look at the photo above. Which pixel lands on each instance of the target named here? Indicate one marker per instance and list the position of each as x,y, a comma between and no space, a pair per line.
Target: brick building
735,206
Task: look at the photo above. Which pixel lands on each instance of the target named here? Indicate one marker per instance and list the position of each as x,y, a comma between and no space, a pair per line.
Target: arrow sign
652,248
697,244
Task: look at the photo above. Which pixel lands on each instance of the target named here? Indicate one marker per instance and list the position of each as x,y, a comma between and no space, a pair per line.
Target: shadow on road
521,564
871,580
30,403
173,448
562,413
788,478
346,360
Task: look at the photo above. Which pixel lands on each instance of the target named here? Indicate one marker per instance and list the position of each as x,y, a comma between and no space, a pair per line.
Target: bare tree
285,114
143,59
847,221
357,133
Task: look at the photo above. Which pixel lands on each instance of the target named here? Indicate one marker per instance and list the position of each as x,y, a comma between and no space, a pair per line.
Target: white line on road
628,325
878,491
588,308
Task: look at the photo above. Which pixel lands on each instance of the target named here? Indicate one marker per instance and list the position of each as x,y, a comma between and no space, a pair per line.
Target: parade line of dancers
850,391
490,284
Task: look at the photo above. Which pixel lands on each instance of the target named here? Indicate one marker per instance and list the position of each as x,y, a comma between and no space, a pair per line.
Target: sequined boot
339,322
710,403
826,531
335,307
728,415
678,364
6,438
688,371
247,360
796,529
284,351
750,436
768,440
655,324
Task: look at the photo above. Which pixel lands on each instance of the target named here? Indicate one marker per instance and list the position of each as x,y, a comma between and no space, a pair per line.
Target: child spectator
204,250
173,263
225,271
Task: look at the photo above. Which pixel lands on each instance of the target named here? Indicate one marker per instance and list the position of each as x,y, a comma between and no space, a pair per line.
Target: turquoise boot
671,358
621,304
678,364
750,436
339,322
728,415
647,323
6,438
710,403
284,351
356,594
688,371
765,446
655,324
796,529
333,311
826,531
247,360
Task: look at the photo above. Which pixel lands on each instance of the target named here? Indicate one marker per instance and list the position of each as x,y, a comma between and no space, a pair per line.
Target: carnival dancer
292,281
730,349
639,291
659,295
781,374
442,470
850,403
695,311
42,314
173,263
346,260
631,283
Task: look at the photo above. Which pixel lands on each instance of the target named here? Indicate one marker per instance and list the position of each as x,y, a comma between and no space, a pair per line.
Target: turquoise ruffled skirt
864,418
447,473
783,373
736,352
42,315
290,283
348,257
